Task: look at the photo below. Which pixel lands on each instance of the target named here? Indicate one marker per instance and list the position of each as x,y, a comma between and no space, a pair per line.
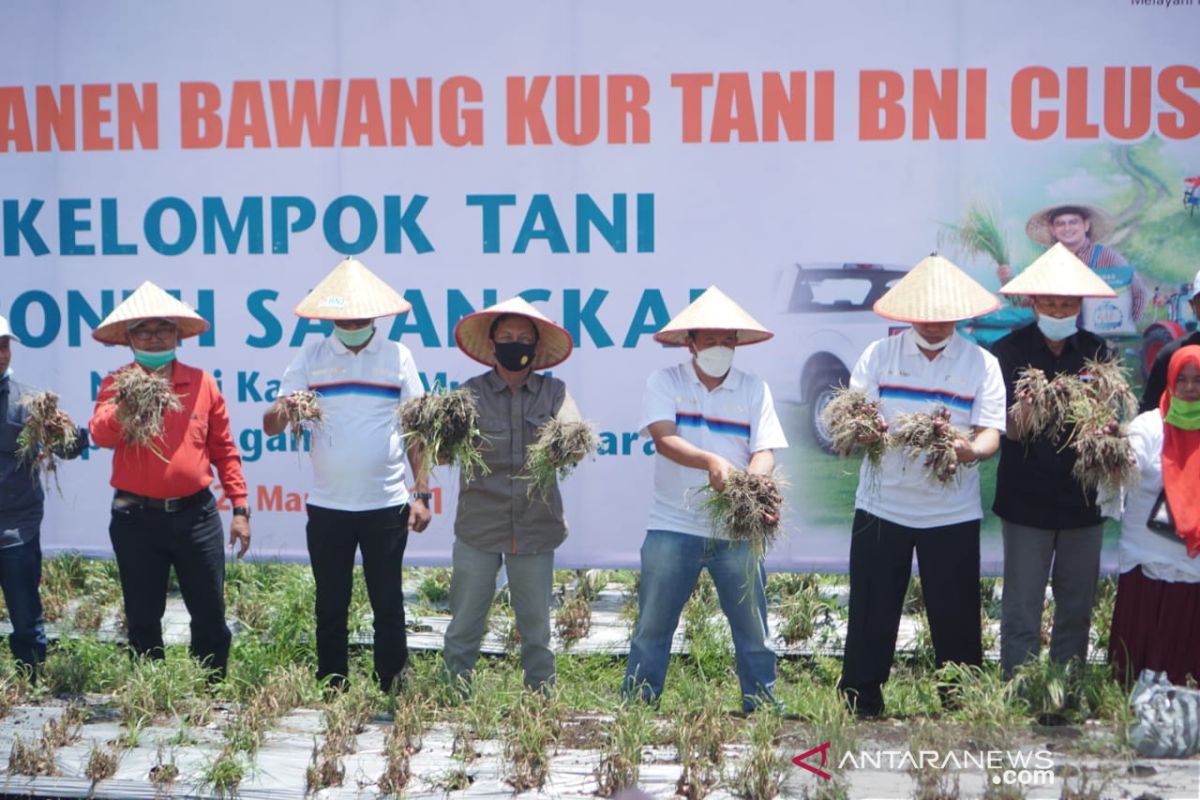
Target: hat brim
118,332
351,291
1058,273
149,301
1040,229
472,335
713,310
935,290
679,338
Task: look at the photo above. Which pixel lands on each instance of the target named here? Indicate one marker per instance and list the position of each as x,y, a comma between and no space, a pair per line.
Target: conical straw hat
472,334
1040,227
713,310
935,291
1058,272
352,291
149,302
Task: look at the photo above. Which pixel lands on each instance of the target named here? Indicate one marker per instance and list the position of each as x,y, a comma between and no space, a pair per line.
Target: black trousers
880,567
333,538
147,543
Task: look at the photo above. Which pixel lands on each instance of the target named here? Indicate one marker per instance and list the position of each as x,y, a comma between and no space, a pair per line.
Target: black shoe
861,707
1052,719
336,685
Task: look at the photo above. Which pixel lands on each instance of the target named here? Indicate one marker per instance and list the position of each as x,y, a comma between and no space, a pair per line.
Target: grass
530,737
101,764
699,732
621,759
273,661
762,772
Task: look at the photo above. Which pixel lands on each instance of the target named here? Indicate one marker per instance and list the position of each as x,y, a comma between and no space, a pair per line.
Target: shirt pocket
198,431
496,439
535,420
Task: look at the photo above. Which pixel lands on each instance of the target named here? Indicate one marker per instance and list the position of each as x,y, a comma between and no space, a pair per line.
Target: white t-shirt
358,451
964,378
1161,558
735,420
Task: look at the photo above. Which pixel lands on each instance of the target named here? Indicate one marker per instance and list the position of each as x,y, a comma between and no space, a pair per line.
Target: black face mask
515,356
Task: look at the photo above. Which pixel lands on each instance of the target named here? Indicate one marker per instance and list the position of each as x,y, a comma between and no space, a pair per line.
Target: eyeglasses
163,333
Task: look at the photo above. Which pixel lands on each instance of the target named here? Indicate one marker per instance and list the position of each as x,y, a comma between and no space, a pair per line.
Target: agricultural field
98,722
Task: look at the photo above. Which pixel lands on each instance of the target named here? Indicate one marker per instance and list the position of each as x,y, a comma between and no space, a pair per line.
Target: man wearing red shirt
163,512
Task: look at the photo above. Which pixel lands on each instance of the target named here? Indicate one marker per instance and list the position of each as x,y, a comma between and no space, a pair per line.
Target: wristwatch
423,496
241,511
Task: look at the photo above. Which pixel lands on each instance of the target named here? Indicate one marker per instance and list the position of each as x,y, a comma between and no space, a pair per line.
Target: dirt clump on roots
445,425
740,510
930,438
303,412
142,399
855,424
1084,412
555,452
48,434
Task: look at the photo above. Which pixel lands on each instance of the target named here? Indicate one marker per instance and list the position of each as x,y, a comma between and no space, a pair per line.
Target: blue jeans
671,564
20,576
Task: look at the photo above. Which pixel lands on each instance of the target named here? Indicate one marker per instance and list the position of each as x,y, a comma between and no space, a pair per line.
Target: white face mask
926,345
1057,328
715,361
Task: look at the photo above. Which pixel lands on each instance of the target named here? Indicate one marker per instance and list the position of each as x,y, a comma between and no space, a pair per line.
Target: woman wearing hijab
1156,622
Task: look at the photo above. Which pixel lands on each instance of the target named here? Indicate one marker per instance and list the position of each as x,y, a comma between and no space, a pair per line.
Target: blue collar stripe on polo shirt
924,395
356,387
683,420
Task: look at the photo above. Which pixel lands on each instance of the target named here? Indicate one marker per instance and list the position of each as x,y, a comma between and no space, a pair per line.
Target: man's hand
239,531
965,451
419,515
718,470
1018,417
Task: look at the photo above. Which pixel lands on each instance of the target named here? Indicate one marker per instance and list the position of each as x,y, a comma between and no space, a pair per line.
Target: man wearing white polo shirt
899,507
360,498
706,418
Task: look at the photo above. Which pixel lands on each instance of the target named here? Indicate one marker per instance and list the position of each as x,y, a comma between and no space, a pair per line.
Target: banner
607,162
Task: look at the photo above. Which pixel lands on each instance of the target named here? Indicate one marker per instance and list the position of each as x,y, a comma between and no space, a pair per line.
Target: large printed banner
606,161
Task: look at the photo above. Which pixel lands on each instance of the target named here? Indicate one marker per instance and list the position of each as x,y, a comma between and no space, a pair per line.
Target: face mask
926,345
353,337
515,356
715,361
153,360
1184,414
1055,328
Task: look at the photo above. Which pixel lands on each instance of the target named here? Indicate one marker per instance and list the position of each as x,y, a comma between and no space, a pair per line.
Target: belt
167,504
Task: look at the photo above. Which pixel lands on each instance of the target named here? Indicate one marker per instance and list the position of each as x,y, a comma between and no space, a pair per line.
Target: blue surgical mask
353,337
1057,328
153,359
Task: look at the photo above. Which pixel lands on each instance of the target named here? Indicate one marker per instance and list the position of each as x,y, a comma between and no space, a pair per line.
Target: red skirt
1156,626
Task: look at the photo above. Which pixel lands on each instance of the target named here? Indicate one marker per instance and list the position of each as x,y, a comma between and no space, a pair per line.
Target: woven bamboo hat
472,333
713,310
149,302
1040,227
935,290
352,291
1058,272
